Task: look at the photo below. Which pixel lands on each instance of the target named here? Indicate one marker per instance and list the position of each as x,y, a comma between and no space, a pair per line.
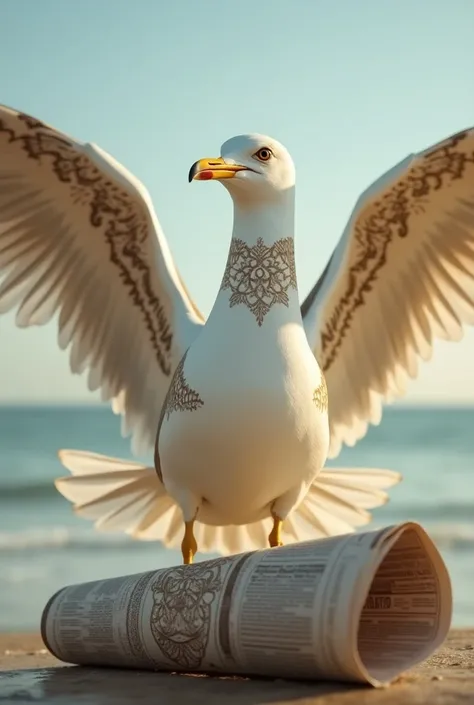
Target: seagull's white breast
248,429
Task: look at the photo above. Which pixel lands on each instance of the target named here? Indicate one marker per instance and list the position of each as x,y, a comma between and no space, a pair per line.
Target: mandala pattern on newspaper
181,614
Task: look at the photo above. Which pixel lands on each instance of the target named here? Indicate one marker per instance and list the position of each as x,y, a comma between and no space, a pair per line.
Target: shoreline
28,671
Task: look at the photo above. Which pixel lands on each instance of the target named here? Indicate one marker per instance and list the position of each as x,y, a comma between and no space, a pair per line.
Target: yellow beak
217,168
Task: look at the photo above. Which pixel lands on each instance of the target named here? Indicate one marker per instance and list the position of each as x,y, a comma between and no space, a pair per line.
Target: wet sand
29,673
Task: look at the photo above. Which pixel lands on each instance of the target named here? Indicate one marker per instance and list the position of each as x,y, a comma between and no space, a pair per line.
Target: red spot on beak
205,175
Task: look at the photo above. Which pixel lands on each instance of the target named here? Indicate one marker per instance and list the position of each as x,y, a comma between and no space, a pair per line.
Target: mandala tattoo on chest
260,276
320,395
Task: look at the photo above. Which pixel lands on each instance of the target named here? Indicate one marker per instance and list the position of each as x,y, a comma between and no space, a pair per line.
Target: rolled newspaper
359,607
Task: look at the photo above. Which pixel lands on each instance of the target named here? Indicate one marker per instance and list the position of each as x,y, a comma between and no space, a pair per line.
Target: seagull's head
254,168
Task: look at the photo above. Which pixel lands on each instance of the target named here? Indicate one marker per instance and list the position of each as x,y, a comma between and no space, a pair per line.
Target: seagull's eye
263,154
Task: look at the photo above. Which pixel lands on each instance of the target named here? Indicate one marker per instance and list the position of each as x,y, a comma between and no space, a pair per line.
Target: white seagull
242,409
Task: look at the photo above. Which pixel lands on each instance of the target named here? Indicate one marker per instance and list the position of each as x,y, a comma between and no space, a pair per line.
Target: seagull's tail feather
338,500
119,495
336,503
122,495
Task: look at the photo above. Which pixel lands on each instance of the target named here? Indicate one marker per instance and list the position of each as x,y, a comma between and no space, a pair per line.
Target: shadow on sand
76,685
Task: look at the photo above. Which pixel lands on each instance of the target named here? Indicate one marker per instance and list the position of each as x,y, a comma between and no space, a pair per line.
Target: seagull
243,408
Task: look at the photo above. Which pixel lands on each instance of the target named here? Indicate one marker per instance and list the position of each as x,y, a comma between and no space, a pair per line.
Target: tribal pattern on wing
260,276
111,209
383,221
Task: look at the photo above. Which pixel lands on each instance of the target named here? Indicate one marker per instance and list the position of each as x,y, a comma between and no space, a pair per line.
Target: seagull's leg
189,545
281,508
274,538
189,505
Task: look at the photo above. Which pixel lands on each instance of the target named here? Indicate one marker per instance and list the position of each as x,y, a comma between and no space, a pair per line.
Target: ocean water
43,546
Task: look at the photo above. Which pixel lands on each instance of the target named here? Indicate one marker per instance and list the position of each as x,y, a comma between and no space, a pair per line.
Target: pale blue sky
350,88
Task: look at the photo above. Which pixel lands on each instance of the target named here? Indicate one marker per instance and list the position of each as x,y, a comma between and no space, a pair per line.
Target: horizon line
76,404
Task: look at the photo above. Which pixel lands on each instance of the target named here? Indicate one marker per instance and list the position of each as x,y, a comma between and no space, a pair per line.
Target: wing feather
80,241
401,276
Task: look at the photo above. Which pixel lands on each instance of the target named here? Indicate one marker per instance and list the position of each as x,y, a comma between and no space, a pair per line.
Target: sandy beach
29,673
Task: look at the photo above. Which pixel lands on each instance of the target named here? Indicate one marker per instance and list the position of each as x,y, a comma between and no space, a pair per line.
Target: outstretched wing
401,275
79,238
